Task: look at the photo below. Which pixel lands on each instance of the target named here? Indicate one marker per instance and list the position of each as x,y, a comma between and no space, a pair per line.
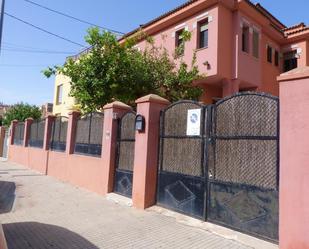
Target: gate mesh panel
19,133
59,133
175,118
246,147
247,115
252,162
37,130
127,142
89,132
180,153
182,156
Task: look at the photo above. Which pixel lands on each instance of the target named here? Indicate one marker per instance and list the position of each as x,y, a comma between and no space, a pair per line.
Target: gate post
294,158
13,128
2,135
71,132
112,112
47,131
28,123
146,151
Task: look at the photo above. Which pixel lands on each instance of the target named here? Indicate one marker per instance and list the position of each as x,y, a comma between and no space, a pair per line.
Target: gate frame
212,137
118,143
204,161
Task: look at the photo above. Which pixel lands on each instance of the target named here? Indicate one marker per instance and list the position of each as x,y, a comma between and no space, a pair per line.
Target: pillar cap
29,119
153,98
297,73
117,105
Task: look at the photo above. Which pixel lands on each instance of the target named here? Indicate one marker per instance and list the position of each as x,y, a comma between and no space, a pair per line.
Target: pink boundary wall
294,158
93,173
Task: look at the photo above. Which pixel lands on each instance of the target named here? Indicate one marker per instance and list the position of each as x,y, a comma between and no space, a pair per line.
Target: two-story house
239,45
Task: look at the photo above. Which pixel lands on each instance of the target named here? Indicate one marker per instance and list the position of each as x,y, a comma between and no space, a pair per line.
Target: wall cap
153,98
117,105
297,73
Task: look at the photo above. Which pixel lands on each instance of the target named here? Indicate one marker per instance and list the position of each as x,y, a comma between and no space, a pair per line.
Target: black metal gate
243,172
125,155
181,178
228,174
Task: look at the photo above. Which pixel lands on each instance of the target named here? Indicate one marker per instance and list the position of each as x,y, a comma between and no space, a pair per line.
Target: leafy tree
114,71
20,112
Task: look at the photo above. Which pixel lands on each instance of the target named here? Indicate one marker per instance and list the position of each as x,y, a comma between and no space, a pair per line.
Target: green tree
20,112
114,71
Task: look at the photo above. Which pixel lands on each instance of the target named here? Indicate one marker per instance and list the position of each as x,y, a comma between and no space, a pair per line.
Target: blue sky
20,73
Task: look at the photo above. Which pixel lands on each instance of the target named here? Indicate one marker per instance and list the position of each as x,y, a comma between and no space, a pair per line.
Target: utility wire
37,51
43,30
21,65
72,17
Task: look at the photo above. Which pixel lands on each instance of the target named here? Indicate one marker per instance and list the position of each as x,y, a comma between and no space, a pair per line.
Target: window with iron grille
269,54
203,34
245,39
256,44
36,138
59,134
89,132
179,42
19,133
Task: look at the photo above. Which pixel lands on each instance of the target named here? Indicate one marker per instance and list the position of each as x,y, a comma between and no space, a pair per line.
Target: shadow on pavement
33,235
7,196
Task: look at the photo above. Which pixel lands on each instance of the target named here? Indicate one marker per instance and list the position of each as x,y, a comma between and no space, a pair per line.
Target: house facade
239,45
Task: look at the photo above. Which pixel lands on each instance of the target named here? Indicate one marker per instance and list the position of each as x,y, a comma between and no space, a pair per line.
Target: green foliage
20,112
113,71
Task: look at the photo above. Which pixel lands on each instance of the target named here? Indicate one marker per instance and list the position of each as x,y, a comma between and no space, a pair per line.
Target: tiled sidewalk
49,214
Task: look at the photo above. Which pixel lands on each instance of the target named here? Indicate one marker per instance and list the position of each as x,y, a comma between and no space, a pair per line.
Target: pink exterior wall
166,38
248,68
294,158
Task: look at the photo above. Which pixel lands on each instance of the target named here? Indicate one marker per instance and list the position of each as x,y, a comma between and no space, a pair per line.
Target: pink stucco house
240,46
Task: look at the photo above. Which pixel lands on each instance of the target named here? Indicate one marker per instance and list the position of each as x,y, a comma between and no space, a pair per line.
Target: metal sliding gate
228,174
125,155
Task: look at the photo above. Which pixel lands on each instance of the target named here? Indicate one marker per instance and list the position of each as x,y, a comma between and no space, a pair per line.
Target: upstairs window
269,54
276,58
179,38
203,34
59,94
256,44
290,60
245,39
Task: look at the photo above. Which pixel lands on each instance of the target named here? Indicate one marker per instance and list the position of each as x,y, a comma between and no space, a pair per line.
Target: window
245,39
256,44
203,34
269,54
179,38
276,58
59,94
290,60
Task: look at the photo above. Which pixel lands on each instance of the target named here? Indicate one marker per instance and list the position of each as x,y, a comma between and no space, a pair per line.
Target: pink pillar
13,126
71,132
2,135
112,112
146,151
28,123
48,128
294,158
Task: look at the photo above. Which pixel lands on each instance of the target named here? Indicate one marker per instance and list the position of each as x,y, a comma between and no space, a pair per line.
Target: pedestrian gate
225,169
125,155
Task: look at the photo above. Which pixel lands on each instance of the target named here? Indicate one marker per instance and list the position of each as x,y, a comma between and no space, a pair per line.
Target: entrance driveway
45,213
